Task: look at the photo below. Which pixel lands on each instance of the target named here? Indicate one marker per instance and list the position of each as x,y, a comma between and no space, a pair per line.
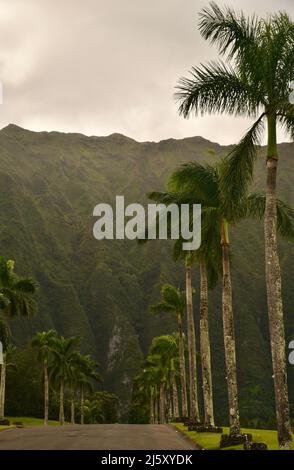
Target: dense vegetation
24,394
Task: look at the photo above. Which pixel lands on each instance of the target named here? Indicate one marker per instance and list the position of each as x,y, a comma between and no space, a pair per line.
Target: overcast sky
104,66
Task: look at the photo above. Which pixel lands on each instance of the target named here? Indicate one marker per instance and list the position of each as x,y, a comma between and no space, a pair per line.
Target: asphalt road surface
95,437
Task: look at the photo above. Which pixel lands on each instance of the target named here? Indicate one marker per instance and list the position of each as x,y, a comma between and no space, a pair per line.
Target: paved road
95,437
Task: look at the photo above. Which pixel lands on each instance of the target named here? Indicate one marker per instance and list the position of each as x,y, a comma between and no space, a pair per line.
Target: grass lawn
6,427
27,421
210,441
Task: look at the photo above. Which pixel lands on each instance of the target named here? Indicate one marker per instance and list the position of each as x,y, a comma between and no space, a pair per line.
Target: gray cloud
103,66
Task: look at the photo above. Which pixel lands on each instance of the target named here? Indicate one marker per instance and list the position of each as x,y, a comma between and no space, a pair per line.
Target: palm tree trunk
169,405
152,406
176,413
61,402
274,294
46,393
205,348
184,403
194,408
82,404
229,334
2,387
72,411
156,407
162,403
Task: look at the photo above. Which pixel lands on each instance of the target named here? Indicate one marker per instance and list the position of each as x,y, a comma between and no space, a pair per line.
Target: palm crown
254,81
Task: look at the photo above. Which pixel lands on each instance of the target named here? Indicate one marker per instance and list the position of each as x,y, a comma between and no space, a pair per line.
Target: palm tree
60,368
93,411
44,342
16,299
255,82
84,372
17,293
194,406
173,300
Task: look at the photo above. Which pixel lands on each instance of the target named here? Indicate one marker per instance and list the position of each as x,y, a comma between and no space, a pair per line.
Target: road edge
186,437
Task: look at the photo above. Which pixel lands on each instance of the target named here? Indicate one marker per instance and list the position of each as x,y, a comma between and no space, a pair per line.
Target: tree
93,411
44,343
208,257
83,373
16,299
194,406
60,369
255,82
173,300
17,293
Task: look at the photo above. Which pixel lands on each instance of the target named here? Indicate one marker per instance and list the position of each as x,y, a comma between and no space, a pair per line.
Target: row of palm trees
63,366
253,79
194,183
158,382
66,369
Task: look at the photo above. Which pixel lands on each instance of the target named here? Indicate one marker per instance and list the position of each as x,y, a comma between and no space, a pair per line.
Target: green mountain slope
49,185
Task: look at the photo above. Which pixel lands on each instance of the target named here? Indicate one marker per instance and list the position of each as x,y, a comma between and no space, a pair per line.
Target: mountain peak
120,137
12,127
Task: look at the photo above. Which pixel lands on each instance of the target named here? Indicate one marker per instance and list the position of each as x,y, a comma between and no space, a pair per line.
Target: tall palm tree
194,406
173,300
60,368
255,82
44,342
16,299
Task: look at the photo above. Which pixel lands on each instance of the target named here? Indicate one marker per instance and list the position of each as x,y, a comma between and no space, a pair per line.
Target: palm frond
28,285
5,333
230,30
214,88
286,118
238,166
200,181
256,203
